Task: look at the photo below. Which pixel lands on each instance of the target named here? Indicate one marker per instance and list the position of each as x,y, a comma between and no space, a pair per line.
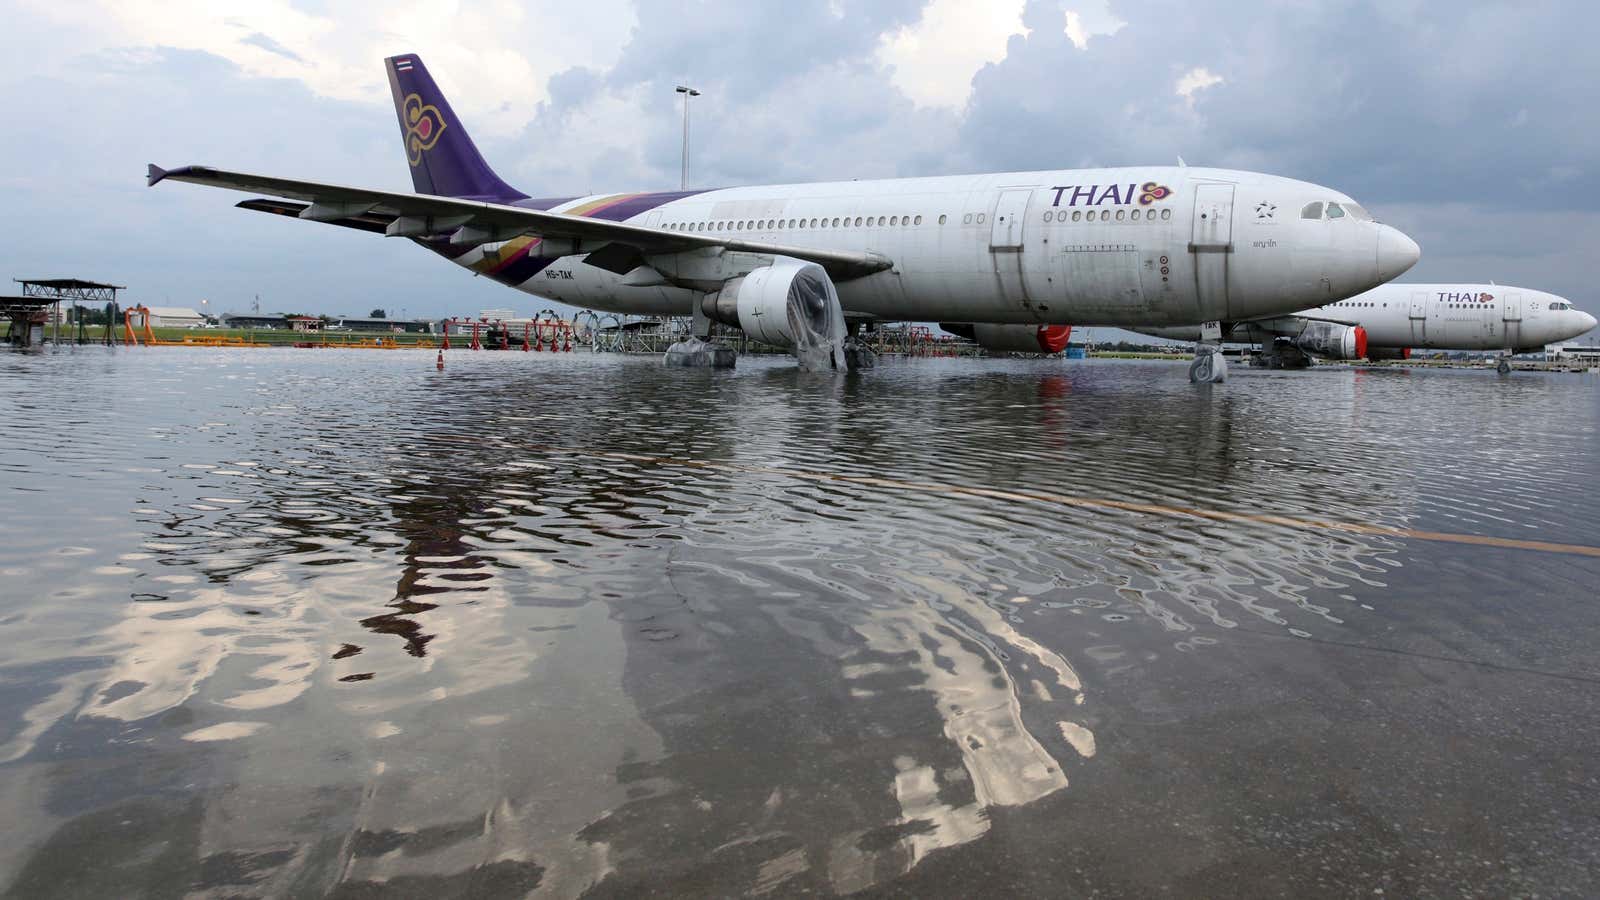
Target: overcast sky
1470,125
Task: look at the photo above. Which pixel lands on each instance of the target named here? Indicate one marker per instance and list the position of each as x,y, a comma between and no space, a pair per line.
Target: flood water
306,623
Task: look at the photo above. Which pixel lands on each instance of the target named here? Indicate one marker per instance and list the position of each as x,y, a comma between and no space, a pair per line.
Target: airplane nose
1588,322
1396,252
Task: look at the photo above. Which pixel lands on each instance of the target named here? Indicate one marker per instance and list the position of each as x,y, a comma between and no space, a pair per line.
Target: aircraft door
1419,318
1511,314
1211,242
1010,210
1006,245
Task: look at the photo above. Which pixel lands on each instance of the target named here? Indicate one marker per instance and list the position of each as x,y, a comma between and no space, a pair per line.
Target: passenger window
1312,211
1166,214
881,221
1335,211
894,220
966,219
1077,215
836,221
1048,215
942,218
1120,215
980,218
918,221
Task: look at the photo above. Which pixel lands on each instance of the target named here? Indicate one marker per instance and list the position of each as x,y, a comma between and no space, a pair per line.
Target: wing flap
293,210
428,214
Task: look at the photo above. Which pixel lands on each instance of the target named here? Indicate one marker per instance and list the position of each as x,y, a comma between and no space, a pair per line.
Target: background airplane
1389,321
802,265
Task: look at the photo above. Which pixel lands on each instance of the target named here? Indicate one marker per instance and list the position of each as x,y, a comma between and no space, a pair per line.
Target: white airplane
1391,320
804,265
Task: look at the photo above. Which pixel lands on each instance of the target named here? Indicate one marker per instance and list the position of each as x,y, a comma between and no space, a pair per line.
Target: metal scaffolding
39,306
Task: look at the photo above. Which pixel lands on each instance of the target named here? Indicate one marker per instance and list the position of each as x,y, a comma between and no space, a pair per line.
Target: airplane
1391,320
804,266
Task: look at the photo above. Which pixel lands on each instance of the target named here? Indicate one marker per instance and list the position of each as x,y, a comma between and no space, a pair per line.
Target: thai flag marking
402,65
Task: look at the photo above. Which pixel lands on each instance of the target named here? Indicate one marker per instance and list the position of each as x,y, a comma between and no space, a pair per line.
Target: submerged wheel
1504,367
1207,368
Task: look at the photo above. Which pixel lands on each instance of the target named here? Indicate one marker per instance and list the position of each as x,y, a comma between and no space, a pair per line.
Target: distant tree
377,314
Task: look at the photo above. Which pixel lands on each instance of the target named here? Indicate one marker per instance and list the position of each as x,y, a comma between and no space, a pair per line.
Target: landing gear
1209,367
1281,354
858,354
1503,366
699,350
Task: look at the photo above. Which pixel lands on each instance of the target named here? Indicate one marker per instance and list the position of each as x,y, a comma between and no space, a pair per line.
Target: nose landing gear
1209,367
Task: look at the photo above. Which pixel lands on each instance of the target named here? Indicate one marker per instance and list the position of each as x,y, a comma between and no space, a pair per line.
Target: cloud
934,59
1089,19
506,51
257,39
1196,79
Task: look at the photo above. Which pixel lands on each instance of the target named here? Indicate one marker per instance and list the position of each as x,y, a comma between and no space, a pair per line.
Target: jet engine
1013,338
1331,340
1388,353
791,303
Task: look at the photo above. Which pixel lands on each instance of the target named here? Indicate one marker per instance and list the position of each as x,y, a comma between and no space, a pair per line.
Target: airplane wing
615,246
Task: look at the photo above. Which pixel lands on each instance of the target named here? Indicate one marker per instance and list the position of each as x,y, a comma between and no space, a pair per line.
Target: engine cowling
1013,338
1388,353
1331,340
791,303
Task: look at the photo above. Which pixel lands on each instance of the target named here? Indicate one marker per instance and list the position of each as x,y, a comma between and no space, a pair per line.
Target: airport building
387,326
174,317
254,320
1569,351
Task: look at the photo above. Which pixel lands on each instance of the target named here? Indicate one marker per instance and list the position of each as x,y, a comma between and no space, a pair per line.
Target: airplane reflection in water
544,702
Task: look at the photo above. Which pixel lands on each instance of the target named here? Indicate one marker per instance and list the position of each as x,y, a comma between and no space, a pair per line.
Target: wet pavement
306,623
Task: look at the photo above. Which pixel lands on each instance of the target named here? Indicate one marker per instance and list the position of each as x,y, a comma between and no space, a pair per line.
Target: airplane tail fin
443,159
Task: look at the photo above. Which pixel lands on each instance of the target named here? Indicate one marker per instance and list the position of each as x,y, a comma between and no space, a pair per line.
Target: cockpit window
1357,212
1335,211
1559,305
1312,211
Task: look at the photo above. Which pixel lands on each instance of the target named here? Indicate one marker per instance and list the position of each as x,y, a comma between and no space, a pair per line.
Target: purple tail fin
442,157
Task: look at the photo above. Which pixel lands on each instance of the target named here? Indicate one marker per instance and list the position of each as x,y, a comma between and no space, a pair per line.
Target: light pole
687,92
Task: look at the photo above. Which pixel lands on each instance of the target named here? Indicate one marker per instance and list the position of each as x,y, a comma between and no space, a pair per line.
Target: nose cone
1587,321
1396,252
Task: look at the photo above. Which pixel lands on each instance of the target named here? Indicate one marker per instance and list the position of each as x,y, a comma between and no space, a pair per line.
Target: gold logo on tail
423,126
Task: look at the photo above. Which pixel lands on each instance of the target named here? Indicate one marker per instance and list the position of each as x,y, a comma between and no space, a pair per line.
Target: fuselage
1130,246
1456,316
